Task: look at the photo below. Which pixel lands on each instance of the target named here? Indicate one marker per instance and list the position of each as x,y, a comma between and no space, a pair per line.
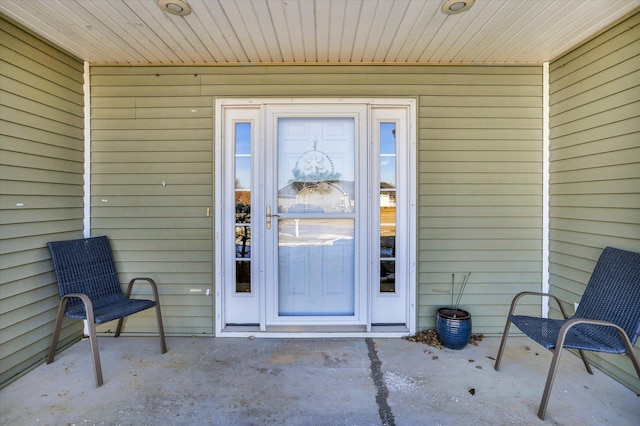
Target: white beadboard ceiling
316,31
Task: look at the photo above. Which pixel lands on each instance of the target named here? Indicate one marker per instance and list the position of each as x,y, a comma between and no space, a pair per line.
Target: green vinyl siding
595,165
41,190
479,175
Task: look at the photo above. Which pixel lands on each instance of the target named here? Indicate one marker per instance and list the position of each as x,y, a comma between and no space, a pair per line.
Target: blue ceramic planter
453,327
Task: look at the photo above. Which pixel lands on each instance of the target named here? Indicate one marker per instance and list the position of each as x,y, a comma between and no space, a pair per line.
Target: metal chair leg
97,367
585,361
119,327
163,342
553,368
56,331
503,343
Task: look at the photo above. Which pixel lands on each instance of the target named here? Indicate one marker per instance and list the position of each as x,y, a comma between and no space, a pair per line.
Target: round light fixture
175,7
451,7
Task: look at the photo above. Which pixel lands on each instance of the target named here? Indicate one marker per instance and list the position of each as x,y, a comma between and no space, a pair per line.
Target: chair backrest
85,266
613,292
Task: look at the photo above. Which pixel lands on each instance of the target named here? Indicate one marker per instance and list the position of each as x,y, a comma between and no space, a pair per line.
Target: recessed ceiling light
451,7
175,7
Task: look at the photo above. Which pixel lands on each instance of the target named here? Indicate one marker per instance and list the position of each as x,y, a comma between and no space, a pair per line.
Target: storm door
316,209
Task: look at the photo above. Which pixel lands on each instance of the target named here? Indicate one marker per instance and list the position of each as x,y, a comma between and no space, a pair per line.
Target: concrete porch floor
350,381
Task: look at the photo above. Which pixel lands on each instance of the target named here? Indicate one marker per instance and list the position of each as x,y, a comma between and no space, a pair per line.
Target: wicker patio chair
90,290
607,318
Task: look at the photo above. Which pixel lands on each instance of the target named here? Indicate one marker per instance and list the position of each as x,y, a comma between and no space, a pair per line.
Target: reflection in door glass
242,141
387,207
316,267
316,165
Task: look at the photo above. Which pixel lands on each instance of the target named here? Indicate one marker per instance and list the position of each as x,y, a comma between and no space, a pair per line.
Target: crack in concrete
384,410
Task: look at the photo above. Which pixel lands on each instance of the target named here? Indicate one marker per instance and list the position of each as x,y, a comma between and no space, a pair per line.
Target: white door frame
408,220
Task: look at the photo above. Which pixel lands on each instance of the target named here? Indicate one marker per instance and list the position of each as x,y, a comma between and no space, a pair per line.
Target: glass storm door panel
316,216
316,247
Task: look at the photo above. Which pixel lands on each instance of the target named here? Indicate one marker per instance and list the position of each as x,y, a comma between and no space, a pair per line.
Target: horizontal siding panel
507,168
583,83
152,179
45,81
481,212
626,186
577,239
625,156
160,201
623,171
484,134
154,134
598,106
157,223
41,188
487,145
503,189
153,168
365,90
189,112
477,234
602,214
516,106
154,123
477,178
584,148
40,142
32,215
143,157
148,212
613,229
40,228
22,107
604,132
628,111
154,190
38,202
483,223
479,156
496,245
440,108
603,91
596,200
454,201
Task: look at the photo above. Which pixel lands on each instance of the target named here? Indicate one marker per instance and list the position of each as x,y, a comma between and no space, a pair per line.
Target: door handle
269,216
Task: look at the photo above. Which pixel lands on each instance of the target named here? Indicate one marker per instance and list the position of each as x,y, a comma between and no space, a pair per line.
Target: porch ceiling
316,31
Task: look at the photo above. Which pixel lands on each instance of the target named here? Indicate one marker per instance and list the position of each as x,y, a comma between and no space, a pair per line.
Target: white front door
309,234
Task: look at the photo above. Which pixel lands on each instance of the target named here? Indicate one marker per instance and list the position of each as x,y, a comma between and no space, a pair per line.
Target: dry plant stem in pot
453,325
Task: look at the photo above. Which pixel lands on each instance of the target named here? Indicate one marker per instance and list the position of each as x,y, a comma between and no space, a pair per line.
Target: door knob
269,216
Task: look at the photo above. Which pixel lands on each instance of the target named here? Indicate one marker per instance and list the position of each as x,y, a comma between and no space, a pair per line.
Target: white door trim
409,218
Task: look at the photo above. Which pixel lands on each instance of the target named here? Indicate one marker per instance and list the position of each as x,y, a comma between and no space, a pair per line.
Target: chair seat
587,337
109,309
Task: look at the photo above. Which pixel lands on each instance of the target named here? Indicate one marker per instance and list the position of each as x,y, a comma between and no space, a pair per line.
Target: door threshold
317,331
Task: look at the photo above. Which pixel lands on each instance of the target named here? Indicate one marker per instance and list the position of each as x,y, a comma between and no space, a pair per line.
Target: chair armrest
575,321
154,287
88,305
518,296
